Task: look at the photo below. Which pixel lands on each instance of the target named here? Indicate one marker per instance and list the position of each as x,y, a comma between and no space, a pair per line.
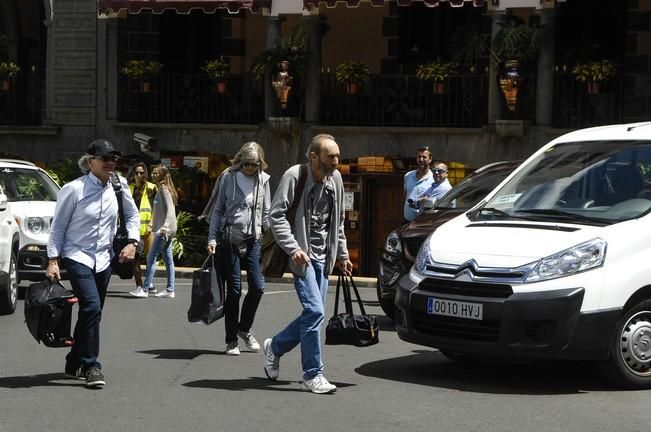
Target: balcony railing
191,98
21,103
404,100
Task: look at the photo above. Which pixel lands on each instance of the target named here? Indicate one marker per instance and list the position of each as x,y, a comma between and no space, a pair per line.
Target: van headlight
582,257
36,225
393,245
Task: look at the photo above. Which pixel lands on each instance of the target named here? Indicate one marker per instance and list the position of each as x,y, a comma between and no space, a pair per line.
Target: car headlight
423,258
393,245
36,225
582,257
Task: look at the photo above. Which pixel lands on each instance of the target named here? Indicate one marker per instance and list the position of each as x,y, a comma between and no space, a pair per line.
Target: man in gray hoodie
315,243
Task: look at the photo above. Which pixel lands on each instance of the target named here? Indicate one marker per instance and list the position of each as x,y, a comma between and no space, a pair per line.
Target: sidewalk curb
186,273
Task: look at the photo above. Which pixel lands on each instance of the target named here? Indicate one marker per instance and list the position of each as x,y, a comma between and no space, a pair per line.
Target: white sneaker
319,385
166,294
139,292
232,349
271,361
249,340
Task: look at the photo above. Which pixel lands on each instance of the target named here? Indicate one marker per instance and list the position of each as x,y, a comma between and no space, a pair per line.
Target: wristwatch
133,242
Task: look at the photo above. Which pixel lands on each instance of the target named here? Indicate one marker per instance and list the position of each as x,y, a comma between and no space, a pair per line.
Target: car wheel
629,364
9,290
386,302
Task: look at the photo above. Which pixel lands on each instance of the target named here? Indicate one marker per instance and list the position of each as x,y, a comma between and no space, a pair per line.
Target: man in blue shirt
81,239
440,187
417,182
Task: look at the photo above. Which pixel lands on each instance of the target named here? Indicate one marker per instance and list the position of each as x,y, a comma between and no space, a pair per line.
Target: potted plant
438,71
218,70
142,70
594,73
8,71
352,73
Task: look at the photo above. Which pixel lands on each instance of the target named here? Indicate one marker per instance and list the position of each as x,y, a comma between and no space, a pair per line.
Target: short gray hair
315,144
250,151
84,163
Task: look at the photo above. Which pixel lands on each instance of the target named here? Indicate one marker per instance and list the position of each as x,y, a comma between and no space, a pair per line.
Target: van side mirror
3,202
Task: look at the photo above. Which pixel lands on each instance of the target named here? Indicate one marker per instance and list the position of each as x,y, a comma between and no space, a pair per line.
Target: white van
554,263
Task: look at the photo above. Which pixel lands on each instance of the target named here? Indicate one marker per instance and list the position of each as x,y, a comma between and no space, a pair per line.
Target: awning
355,3
180,6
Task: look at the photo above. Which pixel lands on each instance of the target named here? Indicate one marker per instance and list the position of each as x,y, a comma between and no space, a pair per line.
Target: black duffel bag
348,328
48,313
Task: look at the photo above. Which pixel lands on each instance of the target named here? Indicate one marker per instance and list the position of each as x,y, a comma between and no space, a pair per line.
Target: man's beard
326,170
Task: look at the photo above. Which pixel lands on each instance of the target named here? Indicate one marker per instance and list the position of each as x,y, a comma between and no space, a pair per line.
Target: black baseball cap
102,147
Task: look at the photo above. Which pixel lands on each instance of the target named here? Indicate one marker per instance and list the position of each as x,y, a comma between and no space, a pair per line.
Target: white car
9,237
555,263
32,195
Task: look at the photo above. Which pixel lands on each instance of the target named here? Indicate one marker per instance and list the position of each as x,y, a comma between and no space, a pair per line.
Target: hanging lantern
510,83
282,83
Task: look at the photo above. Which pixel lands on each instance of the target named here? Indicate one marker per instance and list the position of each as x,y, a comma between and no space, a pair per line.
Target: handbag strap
210,257
117,188
298,191
359,300
344,287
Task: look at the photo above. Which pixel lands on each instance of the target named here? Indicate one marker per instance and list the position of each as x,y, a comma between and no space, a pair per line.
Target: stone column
273,36
494,95
313,69
545,73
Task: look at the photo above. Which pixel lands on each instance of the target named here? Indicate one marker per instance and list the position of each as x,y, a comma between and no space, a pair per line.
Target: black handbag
123,269
207,301
48,313
239,241
348,328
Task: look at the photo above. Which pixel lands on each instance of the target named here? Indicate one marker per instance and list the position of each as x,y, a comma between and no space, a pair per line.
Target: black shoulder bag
273,258
347,328
125,269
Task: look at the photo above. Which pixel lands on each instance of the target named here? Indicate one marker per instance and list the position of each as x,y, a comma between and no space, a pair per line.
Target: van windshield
588,182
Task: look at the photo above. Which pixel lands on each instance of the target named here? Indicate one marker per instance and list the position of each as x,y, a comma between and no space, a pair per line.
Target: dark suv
403,243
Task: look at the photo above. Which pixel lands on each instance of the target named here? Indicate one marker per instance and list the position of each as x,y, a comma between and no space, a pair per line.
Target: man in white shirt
440,187
81,239
417,182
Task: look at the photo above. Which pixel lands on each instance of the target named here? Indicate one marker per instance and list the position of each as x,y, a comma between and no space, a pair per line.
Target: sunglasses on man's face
439,171
250,164
108,158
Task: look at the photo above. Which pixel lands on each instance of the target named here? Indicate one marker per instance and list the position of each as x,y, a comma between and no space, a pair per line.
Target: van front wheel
630,354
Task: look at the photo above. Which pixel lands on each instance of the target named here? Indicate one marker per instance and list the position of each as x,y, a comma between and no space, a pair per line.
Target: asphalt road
165,374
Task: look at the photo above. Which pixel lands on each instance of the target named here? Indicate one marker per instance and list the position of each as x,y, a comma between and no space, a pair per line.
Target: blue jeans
163,246
306,329
231,269
90,288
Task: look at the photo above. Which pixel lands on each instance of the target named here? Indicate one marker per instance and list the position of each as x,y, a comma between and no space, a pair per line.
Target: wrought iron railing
22,102
404,100
574,107
191,98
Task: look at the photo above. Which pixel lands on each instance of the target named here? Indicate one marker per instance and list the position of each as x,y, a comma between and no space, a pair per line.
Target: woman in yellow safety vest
143,193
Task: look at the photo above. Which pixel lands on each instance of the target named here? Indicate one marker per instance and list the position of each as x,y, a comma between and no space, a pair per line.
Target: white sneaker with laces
139,292
319,385
249,340
232,349
166,294
271,361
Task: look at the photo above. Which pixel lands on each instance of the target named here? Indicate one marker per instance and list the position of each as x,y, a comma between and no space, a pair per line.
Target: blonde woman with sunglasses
239,217
163,225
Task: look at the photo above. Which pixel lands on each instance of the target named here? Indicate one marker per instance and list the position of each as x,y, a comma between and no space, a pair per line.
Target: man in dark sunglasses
440,187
